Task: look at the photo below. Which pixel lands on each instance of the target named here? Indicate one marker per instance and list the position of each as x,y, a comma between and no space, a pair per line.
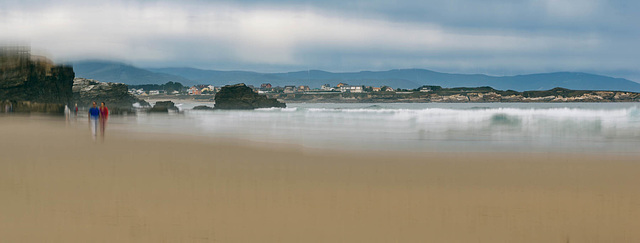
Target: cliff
240,96
33,84
115,95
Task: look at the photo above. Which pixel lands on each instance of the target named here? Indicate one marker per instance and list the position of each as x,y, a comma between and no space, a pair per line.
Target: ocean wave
528,122
501,119
287,109
595,125
478,111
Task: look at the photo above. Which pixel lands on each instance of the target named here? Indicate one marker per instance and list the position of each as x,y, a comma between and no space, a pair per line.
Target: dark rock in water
239,96
164,106
114,95
202,107
29,83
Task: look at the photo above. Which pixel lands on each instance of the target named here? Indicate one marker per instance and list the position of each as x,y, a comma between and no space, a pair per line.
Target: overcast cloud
467,36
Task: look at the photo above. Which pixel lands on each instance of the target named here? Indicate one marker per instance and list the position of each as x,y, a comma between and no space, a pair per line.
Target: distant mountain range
397,78
117,72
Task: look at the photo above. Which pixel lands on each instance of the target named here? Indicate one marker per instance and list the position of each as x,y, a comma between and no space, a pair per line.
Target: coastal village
346,93
265,88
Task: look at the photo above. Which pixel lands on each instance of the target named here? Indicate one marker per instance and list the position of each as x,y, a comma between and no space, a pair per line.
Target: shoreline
208,99
120,125
159,187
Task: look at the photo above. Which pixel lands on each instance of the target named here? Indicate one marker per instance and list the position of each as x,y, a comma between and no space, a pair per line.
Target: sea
421,127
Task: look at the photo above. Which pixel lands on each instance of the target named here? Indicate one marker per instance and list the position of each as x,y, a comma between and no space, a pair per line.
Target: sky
496,37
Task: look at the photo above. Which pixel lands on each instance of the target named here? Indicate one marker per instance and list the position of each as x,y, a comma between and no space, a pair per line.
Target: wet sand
56,185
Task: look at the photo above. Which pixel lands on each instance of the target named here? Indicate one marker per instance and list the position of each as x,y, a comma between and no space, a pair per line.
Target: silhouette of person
104,115
94,117
67,113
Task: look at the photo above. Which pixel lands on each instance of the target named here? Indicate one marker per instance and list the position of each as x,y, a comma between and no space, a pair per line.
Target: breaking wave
416,125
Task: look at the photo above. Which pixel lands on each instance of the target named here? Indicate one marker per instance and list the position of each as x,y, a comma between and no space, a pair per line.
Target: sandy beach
57,185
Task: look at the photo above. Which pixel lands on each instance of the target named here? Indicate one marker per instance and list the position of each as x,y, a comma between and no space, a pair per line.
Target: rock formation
463,95
203,107
239,96
114,95
29,83
164,106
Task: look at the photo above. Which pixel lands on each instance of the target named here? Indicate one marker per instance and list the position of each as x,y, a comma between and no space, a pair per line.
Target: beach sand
56,185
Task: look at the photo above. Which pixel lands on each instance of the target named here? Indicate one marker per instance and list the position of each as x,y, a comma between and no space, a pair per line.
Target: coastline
451,100
150,187
587,128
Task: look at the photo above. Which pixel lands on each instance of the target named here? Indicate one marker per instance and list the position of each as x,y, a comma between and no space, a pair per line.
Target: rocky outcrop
33,84
114,95
203,107
164,106
240,96
464,95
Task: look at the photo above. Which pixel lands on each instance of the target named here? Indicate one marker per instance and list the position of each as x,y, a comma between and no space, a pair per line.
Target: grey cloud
493,36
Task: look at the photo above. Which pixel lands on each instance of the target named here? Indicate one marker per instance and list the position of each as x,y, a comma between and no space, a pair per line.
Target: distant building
194,91
341,84
265,86
326,87
303,88
388,89
352,89
290,89
375,89
154,92
136,91
425,89
209,89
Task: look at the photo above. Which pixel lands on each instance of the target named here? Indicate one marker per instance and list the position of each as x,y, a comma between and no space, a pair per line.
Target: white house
352,89
290,89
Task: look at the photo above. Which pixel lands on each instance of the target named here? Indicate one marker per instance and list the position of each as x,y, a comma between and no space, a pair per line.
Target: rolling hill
397,78
117,72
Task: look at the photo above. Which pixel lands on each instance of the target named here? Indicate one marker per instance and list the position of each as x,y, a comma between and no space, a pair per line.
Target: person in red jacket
104,115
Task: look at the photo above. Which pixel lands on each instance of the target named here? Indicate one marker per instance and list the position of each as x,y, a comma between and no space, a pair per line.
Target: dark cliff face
240,96
29,85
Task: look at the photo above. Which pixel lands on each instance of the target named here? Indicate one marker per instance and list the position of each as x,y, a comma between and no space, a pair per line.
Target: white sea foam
430,126
287,109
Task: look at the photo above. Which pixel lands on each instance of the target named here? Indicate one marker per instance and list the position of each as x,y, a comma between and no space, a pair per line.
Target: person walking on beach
76,112
94,117
67,113
104,114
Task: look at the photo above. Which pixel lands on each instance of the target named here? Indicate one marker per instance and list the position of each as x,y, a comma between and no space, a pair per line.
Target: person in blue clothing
94,117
